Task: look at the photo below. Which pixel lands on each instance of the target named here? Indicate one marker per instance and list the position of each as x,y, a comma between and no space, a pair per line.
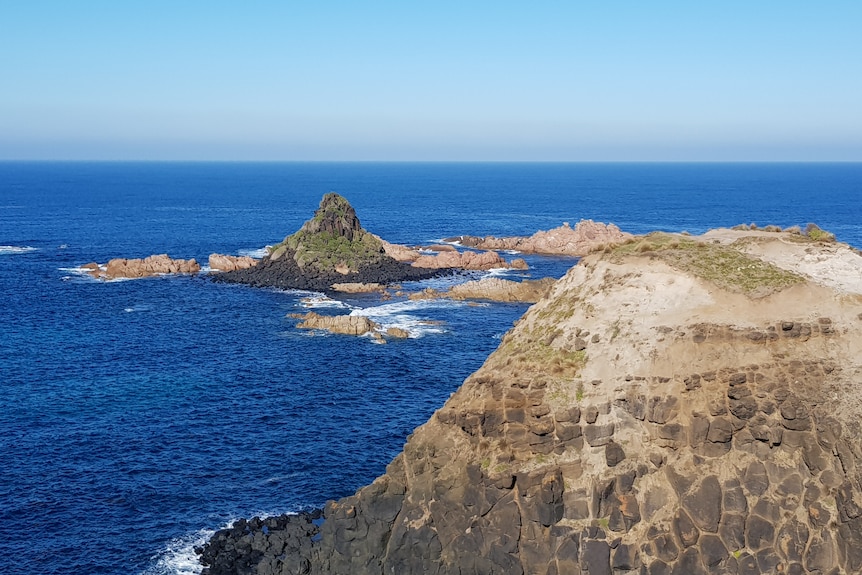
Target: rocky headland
585,237
330,248
123,268
675,405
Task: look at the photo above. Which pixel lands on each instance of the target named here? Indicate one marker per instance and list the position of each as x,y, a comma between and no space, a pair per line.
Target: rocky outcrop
492,289
448,257
331,247
399,252
397,332
358,287
660,412
586,236
343,324
161,264
461,260
226,263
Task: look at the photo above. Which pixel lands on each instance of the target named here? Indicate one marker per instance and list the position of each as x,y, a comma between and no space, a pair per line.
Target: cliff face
673,406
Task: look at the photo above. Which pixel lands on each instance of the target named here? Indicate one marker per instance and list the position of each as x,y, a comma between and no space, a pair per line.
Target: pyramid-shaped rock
330,248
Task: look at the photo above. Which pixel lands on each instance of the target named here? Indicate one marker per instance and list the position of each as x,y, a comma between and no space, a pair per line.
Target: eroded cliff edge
675,405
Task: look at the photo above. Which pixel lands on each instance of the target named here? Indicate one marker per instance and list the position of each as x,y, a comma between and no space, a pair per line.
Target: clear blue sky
283,80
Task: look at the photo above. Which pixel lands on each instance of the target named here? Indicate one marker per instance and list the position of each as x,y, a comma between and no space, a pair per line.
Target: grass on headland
722,265
812,232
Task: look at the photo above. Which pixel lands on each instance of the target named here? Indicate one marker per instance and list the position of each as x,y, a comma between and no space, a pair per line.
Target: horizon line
228,161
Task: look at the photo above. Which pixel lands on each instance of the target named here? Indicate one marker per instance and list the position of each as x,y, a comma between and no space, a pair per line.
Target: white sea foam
443,283
497,272
178,557
402,307
12,250
78,274
279,478
441,241
402,315
316,300
255,252
78,270
83,274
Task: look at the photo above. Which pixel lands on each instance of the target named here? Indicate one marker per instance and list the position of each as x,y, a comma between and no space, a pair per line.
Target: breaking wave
11,250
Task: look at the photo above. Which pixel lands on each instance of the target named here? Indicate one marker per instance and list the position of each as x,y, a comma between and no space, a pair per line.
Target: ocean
138,416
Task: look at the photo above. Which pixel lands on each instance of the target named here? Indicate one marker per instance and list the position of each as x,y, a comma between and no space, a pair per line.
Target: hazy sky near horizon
555,81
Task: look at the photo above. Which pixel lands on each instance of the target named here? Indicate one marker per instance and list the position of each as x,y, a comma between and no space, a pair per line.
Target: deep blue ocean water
136,415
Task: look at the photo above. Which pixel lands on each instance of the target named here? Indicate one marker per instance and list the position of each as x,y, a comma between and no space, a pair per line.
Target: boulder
226,263
343,324
397,332
467,260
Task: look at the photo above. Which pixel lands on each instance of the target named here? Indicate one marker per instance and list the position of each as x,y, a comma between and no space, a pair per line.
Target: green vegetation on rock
327,249
333,237
722,265
814,232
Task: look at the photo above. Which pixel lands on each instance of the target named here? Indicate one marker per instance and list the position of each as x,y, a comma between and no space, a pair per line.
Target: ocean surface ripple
137,416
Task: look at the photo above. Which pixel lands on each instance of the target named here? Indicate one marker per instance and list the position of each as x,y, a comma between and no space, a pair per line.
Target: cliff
674,405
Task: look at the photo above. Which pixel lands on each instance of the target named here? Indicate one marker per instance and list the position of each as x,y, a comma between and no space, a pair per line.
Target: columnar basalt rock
706,430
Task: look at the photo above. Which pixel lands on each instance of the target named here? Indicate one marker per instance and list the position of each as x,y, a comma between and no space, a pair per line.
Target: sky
431,81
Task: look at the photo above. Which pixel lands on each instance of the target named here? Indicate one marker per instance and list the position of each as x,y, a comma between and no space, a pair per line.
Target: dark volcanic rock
286,274
261,546
755,469
332,247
